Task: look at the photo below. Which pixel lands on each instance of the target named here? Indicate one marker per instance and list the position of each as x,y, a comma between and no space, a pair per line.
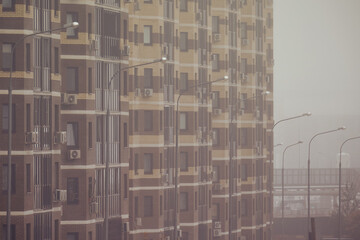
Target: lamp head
341,128
226,77
163,59
265,93
73,25
308,114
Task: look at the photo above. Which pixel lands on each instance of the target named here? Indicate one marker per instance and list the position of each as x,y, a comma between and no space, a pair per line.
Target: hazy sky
317,69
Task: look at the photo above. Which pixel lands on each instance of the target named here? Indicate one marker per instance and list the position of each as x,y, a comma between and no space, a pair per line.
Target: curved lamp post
339,220
177,143
307,114
282,186
106,217
8,208
308,200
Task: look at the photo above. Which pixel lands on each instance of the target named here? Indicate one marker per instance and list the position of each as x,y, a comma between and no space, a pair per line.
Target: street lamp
177,143
106,217
307,114
339,223
282,186
308,202
8,209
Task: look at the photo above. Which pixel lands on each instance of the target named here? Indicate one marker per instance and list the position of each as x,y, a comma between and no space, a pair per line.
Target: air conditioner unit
60,137
217,225
31,137
69,99
126,50
166,50
94,208
243,76
137,92
244,41
217,111
74,154
217,232
148,92
165,178
60,195
216,37
137,6
217,187
138,221
126,227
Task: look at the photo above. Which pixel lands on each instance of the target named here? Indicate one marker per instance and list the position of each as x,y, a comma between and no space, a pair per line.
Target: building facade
97,100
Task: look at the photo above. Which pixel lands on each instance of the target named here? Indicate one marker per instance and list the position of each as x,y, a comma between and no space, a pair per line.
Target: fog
317,69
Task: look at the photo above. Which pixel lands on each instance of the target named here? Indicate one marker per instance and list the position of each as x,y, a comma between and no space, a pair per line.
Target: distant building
62,92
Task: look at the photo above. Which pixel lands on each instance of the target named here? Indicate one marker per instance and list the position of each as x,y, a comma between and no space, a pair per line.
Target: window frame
148,161
147,38
184,41
184,161
72,33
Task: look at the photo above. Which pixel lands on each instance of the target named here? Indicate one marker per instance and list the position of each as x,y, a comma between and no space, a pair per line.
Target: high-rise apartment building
96,100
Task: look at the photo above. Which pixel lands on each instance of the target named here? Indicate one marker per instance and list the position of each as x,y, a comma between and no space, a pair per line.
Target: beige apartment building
99,94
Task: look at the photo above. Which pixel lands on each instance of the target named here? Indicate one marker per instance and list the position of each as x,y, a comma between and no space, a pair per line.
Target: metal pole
308,177
10,119
177,146
282,187
106,217
339,220
271,172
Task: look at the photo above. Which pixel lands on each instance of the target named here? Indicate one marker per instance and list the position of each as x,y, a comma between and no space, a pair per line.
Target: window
90,84
89,25
215,24
148,120
125,185
183,81
72,236
28,178
90,140
244,174
125,135
5,178
147,35
216,174
28,61
56,60
136,206
6,56
183,121
183,5
183,41
12,229
215,66
148,78
72,79
72,134
136,164
5,118
28,232
148,206
71,32
243,30
57,175
56,7
72,190
148,163
216,99
8,5
161,205
147,1
216,137
183,201
183,161
136,34
125,81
